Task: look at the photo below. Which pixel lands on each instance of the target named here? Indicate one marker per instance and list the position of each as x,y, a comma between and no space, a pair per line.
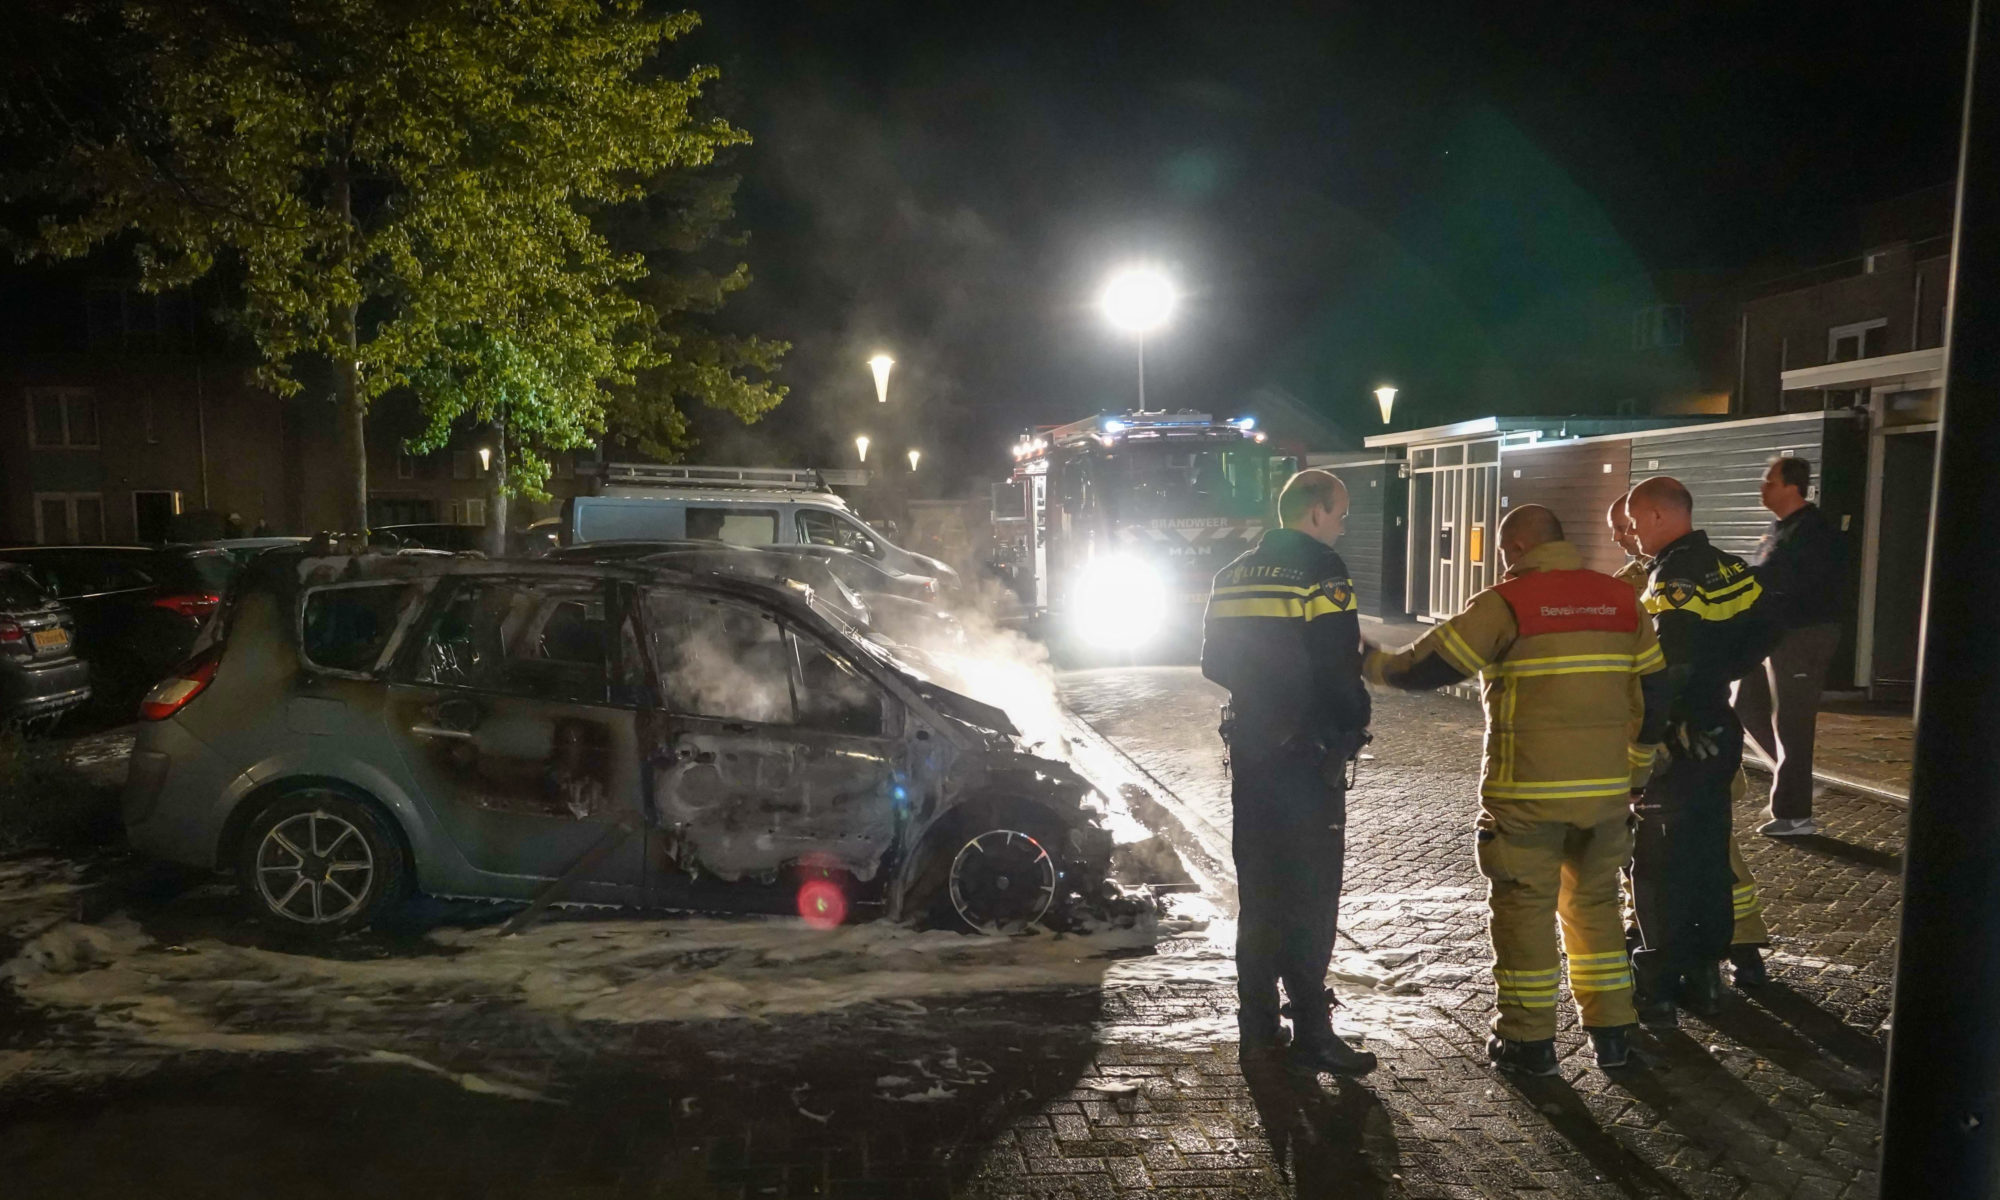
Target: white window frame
1858,330
63,395
475,512
69,500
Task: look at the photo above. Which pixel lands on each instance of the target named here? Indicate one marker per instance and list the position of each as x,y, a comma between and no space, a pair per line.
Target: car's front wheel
1001,881
319,863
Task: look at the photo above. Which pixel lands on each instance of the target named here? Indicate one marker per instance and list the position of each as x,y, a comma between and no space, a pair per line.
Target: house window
562,466
406,467
116,313
462,464
465,512
69,518
1659,327
62,418
1863,339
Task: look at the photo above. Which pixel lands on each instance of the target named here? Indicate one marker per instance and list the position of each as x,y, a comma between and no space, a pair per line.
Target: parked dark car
137,608
244,549
434,535
354,728
41,676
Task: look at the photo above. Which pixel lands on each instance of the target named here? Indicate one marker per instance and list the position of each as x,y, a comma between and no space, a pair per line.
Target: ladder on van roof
763,478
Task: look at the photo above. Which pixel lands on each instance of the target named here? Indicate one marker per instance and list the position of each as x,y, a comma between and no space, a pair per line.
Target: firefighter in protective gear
1566,653
1749,935
1281,633
1703,602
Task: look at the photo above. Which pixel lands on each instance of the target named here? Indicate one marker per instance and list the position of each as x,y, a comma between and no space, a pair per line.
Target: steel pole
1941,1111
1142,372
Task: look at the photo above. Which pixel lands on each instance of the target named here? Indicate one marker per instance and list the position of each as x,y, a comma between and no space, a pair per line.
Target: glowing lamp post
861,447
880,364
1138,301
914,456
1385,396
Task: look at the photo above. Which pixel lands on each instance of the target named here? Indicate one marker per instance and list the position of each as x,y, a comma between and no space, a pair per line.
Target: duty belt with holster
1338,753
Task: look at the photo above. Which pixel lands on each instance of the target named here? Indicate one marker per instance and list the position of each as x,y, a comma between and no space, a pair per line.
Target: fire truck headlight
1121,603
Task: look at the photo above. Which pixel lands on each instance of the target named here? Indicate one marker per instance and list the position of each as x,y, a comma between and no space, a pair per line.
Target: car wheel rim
1002,882
315,868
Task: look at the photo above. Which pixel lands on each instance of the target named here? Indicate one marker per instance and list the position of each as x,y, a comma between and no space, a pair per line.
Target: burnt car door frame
524,819
790,771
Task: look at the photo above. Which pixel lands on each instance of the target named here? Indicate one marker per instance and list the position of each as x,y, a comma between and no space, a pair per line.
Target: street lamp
1138,300
880,364
485,457
1385,396
914,456
861,447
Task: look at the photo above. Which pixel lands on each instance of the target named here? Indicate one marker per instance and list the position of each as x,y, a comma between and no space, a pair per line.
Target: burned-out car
355,728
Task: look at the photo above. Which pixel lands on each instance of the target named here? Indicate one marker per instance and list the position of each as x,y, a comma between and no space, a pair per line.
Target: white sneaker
1789,827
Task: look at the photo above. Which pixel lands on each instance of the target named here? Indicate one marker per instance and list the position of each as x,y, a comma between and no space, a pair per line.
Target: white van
741,506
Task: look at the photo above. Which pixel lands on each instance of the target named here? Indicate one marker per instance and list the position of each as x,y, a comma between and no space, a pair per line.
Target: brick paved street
577,1061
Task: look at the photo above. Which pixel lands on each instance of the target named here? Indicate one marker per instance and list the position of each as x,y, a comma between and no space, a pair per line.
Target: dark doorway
153,515
1907,460
1421,547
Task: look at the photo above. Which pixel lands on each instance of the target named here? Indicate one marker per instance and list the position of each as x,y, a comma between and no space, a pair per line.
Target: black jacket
1707,605
1802,565
1282,635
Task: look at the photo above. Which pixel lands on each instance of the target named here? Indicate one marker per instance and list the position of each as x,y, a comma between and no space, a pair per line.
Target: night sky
1347,193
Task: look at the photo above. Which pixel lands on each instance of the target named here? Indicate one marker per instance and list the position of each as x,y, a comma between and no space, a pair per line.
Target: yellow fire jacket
1562,651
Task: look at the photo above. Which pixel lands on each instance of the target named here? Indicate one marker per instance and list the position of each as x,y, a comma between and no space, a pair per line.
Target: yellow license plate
49,639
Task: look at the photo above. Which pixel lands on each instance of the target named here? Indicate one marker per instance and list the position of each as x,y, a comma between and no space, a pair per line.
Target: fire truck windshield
1140,483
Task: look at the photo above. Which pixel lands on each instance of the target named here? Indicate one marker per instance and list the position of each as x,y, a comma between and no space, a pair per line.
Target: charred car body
352,728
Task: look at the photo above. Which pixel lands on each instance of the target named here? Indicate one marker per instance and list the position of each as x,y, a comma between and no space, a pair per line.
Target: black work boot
1654,1000
1702,991
1317,1047
1327,1052
1749,964
1260,1037
1523,1058
1613,1044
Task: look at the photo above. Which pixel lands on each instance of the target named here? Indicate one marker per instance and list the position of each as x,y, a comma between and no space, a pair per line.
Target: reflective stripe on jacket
1561,650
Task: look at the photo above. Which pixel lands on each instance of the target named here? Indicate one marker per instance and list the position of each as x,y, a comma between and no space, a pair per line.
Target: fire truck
1127,518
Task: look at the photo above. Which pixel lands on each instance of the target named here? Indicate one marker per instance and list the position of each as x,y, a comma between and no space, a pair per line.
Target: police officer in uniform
1282,635
1751,935
1703,601
1566,656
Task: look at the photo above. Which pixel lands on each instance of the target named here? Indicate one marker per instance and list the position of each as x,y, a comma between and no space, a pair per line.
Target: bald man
1750,935
1703,601
1566,654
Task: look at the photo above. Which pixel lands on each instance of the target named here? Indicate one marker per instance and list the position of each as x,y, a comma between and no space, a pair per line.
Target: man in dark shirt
1801,564
1282,634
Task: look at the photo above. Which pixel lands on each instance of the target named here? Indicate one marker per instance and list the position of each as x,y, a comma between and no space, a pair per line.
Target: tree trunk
352,409
496,498
352,439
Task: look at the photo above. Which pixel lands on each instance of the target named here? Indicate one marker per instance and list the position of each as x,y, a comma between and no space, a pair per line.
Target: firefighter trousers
1540,872
1289,839
1682,886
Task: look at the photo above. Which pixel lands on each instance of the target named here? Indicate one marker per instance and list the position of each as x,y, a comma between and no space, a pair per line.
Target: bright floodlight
1119,603
1138,300
1386,397
880,364
485,457
914,456
861,447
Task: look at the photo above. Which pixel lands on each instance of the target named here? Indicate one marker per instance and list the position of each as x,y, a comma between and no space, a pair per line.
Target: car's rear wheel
319,863
1001,881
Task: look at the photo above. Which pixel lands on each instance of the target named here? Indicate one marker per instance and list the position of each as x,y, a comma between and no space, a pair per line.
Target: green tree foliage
421,191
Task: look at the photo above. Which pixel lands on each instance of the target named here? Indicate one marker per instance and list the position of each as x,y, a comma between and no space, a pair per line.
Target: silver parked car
353,728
